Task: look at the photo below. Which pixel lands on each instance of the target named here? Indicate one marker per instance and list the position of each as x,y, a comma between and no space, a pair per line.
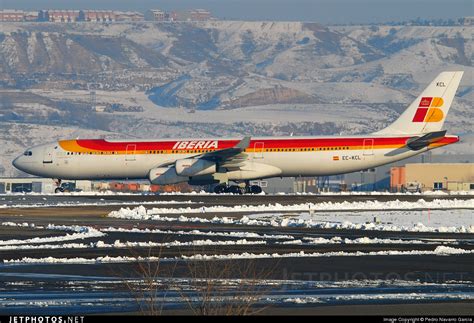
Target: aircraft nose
17,162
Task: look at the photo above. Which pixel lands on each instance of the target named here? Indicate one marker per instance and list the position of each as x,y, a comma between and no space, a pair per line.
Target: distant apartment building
62,15
129,16
12,15
199,15
43,15
88,15
172,16
191,15
155,15
98,15
67,16
468,21
31,16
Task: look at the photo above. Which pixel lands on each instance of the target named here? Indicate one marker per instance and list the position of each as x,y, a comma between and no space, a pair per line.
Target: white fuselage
265,157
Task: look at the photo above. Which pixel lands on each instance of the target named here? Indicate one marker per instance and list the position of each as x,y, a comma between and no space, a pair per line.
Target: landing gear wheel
255,189
221,188
234,189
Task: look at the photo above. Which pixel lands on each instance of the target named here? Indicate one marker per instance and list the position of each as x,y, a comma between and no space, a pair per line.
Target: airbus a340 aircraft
207,161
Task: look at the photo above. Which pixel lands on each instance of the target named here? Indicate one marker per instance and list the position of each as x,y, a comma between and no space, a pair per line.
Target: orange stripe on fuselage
101,146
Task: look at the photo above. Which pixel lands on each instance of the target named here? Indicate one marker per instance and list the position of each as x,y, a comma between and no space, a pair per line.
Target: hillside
218,78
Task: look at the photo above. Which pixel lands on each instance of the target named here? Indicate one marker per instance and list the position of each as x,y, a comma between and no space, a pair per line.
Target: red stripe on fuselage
103,145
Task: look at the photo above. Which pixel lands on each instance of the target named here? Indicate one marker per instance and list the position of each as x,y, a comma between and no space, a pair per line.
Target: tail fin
428,112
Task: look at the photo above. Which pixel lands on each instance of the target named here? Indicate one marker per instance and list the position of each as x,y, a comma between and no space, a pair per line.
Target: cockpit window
28,153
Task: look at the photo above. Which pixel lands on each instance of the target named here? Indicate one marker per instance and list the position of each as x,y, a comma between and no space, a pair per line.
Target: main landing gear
237,189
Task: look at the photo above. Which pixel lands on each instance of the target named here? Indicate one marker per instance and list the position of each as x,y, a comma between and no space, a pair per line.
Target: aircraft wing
417,143
229,156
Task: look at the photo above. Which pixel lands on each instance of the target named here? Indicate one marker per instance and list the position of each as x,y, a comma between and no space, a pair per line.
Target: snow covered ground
421,216
144,214
266,233
374,297
231,238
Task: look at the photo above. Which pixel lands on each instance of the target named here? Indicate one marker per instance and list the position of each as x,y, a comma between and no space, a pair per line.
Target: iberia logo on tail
428,110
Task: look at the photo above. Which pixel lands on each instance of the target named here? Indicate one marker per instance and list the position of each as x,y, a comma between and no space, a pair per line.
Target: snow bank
233,234
140,213
371,297
80,232
439,251
447,216
363,240
101,203
132,244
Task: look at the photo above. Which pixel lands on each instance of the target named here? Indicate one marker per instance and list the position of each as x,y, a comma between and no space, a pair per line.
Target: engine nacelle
165,175
194,167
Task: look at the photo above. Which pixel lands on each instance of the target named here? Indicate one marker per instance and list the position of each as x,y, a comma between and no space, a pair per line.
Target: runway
160,254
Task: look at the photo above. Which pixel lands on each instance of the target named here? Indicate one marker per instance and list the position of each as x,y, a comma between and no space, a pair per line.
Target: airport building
433,176
379,178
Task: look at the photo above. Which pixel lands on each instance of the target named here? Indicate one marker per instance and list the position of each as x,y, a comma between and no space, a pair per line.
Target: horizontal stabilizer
417,143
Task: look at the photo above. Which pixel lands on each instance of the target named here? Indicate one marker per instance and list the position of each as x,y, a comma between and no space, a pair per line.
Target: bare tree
227,287
151,282
204,287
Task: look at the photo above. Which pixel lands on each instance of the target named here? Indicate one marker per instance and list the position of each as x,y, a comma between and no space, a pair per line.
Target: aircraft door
368,147
130,154
258,149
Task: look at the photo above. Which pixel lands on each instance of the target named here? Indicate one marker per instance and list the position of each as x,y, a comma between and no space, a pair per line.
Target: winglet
243,144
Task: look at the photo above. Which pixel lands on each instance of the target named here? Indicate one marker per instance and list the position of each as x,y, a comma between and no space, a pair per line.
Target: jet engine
165,175
194,167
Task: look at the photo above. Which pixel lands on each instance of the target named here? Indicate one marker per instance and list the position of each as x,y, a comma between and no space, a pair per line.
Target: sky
323,11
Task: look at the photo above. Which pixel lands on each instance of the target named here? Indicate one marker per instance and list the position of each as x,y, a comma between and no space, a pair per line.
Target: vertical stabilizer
428,112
